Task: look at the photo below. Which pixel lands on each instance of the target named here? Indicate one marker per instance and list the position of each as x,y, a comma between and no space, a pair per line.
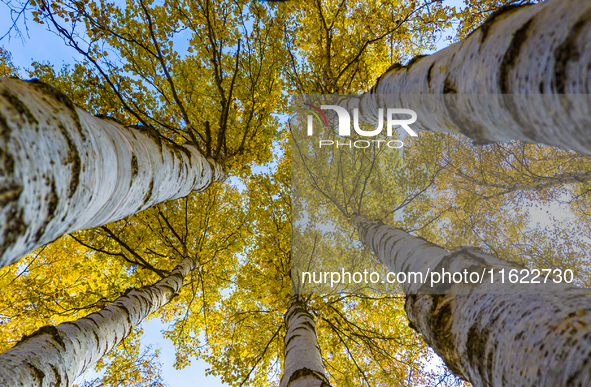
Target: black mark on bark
74,159
449,87
149,192
134,167
52,201
485,27
414,60
475,350
306,372
568,51
62,98
429,74
511,55
19,107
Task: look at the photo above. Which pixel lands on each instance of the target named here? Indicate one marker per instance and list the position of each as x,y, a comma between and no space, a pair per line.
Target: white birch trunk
303,363
63,170
477,87
508,335
56,355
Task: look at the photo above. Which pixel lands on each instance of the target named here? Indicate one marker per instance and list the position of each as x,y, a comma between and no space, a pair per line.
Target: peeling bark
303,363
509,335
477,86
63,170
55,355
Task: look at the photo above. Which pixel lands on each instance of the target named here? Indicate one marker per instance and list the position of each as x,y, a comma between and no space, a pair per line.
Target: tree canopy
218,75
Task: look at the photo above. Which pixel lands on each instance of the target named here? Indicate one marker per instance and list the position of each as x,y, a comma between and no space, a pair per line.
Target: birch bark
508,335
303,363
55,355
524,74
63,170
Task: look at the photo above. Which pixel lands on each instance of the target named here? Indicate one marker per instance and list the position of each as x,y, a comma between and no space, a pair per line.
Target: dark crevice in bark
56,376
568,51
125,311
96,324
449,87
399,67
180,148
306,372
171,288
507,64
73,158
134,168
393,67
310,325
290,339
62,99
178,275
109,118
475,350
52,201
10,193
14,228
6,159
414,60
429,75
96,336
468,127
305,327
440,320
4,129
19,107
45,330
152,133
294,310
36,373
511,55
485,27
149,191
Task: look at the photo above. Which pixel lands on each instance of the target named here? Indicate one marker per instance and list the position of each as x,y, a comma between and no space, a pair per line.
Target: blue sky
41,45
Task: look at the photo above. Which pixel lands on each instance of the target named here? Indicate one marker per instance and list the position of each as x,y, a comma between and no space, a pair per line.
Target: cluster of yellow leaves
362,338
342,47
7,68
60,282
217,93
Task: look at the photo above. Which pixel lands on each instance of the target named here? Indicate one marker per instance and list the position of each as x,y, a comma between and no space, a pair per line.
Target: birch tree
55,356
46,296
524,74
65,170
491,335
209,106
362,339
303,361
495,60
484,336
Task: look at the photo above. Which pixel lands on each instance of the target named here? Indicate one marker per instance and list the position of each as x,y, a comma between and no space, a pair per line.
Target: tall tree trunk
63,170
303,363
56,355
492,336
477,87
